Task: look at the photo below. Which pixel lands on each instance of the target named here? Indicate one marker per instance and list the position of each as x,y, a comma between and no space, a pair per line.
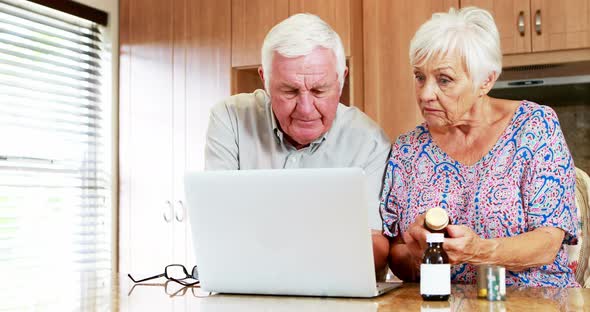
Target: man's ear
488,83
261,74
344,78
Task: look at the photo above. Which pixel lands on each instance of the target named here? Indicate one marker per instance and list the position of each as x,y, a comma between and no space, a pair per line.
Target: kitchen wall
574,117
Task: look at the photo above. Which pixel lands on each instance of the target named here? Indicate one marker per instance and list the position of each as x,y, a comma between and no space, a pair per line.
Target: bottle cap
436,218
435,237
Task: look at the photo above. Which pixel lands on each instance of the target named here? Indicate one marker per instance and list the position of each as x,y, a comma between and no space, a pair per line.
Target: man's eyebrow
287,85
320,86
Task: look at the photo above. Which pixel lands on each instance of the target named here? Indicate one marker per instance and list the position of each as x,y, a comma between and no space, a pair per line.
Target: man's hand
380,254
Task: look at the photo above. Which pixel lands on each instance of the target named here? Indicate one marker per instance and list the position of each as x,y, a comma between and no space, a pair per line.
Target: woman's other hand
462,245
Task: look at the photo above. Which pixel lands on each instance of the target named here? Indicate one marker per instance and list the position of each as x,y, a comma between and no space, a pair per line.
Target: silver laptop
283,232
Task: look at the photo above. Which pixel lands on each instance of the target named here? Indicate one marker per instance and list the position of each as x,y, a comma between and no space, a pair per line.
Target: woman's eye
419,78
444,81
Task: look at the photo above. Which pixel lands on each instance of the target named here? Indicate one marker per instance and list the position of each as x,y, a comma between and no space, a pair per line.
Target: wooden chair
581,252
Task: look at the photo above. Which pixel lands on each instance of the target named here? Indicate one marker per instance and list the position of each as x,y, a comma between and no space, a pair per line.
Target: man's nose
305,103
427,92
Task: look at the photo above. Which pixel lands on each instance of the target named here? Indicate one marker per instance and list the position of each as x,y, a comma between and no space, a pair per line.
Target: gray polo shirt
243,134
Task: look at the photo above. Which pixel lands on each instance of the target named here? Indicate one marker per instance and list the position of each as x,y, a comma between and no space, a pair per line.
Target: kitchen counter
120,294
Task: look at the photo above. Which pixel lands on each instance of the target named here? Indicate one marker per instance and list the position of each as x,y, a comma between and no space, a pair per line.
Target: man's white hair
470,32
297,36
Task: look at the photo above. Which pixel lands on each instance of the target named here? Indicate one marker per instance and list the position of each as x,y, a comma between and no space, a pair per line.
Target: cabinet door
337,13
512,18
560,25
145,136
389,83
180,40
251,20
208,68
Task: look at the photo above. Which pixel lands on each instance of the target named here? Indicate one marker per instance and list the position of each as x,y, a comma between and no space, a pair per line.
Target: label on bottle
435,279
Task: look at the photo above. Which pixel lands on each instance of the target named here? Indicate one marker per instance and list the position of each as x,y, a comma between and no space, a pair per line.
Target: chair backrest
583,204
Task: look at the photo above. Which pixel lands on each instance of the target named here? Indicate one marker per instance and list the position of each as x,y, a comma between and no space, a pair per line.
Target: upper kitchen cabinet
540,31
250,21
388,28
560,25
512,19
345,16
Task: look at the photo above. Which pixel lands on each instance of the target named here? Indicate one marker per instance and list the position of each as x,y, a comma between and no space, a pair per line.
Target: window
55,164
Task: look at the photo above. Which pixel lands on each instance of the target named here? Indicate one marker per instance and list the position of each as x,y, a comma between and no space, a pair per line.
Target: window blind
55,179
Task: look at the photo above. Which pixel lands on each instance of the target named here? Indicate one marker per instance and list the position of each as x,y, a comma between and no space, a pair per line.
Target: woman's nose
427,92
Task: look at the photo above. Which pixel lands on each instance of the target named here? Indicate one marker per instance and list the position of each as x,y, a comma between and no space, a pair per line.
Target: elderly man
298,122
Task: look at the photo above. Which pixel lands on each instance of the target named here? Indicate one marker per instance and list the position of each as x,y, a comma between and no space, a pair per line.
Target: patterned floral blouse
524,182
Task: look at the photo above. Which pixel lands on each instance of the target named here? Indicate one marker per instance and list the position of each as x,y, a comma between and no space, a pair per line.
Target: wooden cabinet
345,16
145,178
513,20
251,21
563,25
388,27
539,25
146,134
175,63
207,68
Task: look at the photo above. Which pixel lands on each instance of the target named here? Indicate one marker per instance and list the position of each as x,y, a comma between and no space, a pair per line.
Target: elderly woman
500,168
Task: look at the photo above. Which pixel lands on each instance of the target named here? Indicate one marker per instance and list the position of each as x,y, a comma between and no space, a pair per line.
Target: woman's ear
488,83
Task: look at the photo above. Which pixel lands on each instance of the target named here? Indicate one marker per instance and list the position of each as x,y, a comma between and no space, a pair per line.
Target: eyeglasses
176,273
171,290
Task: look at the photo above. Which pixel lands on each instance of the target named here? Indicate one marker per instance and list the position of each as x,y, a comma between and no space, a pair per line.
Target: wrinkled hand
415,240
462,245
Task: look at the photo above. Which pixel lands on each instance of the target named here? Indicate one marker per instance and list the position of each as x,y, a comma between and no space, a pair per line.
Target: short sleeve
549,189
221,147
389,205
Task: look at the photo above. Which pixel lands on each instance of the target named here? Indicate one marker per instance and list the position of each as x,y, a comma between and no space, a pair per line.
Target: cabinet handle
179,215
538,22
167,214
520,23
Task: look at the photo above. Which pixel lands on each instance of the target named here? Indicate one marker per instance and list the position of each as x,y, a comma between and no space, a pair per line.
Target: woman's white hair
470,32
299,35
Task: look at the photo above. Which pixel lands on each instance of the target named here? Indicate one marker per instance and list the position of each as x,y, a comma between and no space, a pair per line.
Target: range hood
544,75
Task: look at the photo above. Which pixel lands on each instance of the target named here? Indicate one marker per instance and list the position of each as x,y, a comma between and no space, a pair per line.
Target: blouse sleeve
391,185
549,187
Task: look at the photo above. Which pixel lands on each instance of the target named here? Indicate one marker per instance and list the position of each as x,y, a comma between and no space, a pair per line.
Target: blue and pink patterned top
526,181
